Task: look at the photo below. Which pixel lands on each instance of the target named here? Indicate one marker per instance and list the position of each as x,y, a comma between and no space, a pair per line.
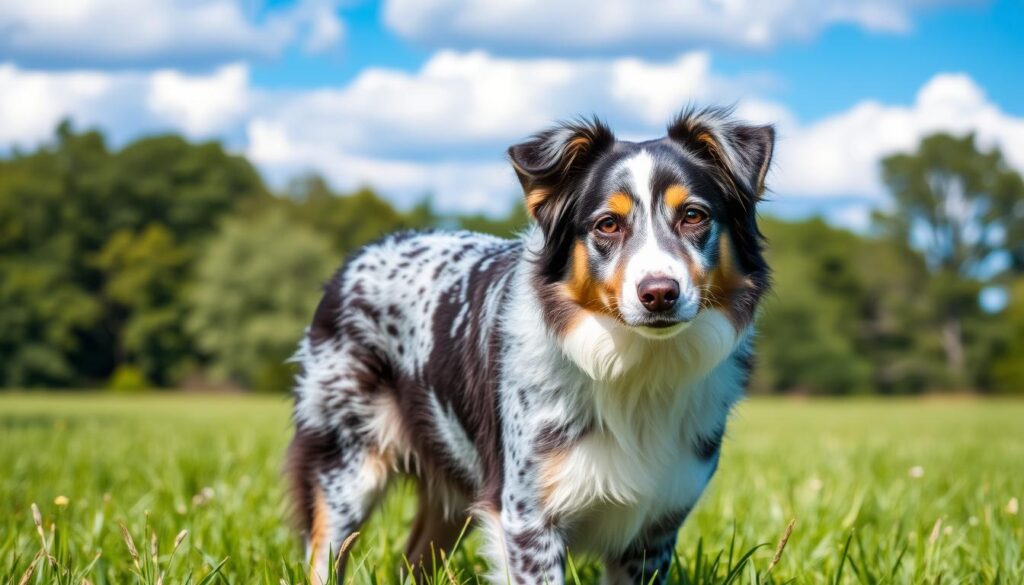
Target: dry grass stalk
781,547
344,549
131,545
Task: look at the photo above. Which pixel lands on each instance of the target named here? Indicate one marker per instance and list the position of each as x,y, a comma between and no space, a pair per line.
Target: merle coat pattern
569,389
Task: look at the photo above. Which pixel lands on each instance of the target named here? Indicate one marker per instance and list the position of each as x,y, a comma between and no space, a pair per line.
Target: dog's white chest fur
610,493
650,401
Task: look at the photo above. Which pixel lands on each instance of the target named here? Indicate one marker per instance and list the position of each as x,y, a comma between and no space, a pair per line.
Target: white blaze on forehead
640,168
648,258
645,254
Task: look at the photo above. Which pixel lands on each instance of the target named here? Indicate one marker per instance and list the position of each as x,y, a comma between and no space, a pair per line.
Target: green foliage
878,490
142,275
255,291
811,317
351,220
172,259
506,227
128,379
94,244
1008,366
960,208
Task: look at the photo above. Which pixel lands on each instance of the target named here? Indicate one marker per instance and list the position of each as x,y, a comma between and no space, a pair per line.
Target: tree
353,219
95,246
49,314
506,227
809,327
255,290
142,276
956,205
1008,365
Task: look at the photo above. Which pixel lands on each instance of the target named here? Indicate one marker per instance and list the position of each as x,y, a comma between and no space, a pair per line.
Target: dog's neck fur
636,404
613,355
623,382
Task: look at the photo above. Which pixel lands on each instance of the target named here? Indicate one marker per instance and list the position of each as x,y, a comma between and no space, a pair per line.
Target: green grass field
882,492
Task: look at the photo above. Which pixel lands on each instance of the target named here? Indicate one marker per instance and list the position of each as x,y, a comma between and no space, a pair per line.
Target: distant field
914,492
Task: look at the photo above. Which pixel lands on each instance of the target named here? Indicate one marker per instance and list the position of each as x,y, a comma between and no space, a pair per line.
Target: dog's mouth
665,325
661,323
661,328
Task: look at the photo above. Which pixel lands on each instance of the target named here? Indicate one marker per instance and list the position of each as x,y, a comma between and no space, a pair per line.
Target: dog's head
651,233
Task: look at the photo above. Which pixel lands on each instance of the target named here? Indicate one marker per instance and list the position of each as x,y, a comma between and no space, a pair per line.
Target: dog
568,389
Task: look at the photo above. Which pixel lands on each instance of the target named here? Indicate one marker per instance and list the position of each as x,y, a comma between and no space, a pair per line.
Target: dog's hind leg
340,483
436,527
340,459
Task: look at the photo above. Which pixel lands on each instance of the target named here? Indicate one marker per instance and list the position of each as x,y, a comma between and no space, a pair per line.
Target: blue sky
421,97
820,76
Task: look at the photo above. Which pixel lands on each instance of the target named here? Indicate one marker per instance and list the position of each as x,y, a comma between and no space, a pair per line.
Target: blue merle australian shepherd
568,389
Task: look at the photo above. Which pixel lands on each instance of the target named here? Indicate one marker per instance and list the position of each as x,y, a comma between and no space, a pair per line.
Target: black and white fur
529,382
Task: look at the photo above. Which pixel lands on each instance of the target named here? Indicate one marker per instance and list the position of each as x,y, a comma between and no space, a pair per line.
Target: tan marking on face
676,195
534,198
620,204
318,530
725,281
593,295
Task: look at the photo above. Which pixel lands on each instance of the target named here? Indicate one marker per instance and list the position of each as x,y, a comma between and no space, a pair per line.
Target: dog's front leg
525,547
648,559
528,543
534,553
644,563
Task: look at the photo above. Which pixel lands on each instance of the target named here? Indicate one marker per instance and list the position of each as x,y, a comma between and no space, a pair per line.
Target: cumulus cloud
180,33
200,105
123,104
443,129
529,26
454,185
839,155
461,103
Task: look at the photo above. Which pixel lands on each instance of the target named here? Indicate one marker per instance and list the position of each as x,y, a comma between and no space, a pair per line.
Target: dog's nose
658,293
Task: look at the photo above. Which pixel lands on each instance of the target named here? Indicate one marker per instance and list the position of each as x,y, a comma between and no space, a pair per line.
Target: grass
881,491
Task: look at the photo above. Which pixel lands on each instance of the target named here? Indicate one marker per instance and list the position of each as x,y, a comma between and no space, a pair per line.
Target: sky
418,97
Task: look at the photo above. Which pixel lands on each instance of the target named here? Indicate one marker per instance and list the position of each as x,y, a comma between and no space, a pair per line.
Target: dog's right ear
548,163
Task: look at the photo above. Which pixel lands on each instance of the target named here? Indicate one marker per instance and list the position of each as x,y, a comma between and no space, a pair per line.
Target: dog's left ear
548,163
743,152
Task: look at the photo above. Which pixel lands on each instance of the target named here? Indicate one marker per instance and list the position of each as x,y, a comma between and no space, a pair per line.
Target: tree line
166,263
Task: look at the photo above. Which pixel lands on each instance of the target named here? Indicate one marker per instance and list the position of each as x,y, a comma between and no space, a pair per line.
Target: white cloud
463,185
840,155
443,129
460,103
654,92
200,105
190,33
123,104
626,25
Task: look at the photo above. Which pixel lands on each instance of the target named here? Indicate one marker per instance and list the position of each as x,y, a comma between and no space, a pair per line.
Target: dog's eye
694,216
607,225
